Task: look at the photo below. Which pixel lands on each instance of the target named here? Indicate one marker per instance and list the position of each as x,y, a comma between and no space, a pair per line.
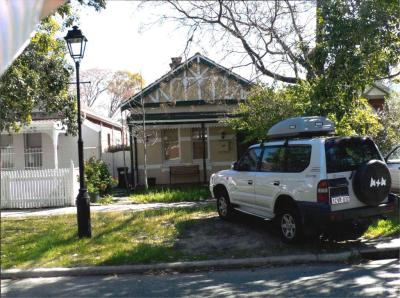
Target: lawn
118,238
384,227
171,194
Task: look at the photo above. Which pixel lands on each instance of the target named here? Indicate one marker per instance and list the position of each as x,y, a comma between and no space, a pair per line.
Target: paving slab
22,213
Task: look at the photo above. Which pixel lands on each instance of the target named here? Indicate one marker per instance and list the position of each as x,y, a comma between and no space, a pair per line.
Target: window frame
163,146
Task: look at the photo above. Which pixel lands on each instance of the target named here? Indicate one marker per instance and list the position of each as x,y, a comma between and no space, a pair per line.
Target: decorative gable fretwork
198,82
198,79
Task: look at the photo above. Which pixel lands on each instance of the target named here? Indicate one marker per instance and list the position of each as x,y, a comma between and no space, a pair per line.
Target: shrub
98,178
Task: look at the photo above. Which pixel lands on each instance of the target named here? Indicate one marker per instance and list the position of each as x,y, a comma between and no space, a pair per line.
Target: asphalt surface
375,278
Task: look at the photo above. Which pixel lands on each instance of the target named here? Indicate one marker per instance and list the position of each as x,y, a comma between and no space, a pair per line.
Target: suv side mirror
235,166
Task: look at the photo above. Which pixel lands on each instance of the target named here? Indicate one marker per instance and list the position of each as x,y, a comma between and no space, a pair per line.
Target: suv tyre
290,226
224,207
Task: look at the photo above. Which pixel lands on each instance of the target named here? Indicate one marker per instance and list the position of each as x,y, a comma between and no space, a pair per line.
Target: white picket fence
39,188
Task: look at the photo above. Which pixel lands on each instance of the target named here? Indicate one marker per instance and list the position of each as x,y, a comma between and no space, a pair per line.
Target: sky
116,41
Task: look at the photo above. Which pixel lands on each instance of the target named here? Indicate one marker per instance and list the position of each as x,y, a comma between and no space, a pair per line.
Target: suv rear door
343,156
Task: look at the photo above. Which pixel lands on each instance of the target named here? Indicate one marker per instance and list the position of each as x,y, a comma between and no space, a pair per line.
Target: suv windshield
346,154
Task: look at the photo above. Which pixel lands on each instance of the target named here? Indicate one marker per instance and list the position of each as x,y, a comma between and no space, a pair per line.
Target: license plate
340,200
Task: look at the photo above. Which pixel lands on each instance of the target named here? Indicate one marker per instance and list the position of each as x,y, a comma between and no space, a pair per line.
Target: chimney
176,61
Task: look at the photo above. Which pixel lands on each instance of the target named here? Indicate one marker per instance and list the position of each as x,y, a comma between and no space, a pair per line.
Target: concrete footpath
22,213
381,248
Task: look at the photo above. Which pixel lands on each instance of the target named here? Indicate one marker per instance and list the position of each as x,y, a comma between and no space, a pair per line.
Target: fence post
72,183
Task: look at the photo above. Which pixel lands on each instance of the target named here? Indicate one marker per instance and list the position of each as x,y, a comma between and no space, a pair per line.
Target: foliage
266,106
39,77
106,200
384,227
98,179
122,86
389,116
116,148
168,195
359,119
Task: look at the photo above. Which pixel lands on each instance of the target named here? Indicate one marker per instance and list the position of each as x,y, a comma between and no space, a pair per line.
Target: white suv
306,179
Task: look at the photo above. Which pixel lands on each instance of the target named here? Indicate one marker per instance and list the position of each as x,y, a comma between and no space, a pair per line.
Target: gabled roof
174,72
379,86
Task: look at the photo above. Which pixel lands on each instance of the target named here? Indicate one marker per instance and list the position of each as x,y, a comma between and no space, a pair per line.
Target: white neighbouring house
38,163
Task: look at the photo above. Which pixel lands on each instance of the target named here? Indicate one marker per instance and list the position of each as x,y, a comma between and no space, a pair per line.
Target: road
375,278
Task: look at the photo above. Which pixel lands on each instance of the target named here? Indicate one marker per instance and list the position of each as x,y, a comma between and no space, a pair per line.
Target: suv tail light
323,192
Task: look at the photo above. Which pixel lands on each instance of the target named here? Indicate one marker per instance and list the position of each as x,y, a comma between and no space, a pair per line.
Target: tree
39,77
266,106
96,82
389,116
141,132
122,86
337,47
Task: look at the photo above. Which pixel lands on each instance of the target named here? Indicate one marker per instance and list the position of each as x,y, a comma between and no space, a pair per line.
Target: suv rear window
346,154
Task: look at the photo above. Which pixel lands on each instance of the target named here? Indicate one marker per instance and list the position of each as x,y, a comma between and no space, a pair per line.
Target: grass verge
118,238
384,227
169,195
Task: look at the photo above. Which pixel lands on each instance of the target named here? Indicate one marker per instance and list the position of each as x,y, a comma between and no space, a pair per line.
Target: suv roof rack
301,127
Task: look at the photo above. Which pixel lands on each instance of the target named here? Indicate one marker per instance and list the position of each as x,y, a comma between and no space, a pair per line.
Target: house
182,115
376,95
45,144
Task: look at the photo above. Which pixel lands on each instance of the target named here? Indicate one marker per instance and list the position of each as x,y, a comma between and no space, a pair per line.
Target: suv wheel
224,207
290,226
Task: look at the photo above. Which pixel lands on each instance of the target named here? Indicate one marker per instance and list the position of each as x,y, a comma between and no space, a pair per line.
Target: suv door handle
250,182
276,183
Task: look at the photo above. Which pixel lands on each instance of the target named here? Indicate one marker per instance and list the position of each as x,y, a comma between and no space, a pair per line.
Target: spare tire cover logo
378,182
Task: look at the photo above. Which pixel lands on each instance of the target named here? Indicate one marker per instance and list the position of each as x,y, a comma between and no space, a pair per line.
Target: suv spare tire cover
372,182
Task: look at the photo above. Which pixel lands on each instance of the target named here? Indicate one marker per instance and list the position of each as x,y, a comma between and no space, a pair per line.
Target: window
33,151
346,154
198,145
394,157
7,153
249,160
108,140
297,158
170,140
273,159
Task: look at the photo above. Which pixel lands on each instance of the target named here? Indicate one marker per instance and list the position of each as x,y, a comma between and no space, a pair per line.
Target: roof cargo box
301,127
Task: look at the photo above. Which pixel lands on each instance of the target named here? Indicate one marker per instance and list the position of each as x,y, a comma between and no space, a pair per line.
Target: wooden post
203,137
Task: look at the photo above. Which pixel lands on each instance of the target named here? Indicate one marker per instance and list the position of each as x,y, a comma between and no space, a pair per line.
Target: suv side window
273,159
249,160
297,158
394,157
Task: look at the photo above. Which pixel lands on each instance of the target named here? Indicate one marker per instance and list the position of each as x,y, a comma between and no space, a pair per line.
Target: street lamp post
76,42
